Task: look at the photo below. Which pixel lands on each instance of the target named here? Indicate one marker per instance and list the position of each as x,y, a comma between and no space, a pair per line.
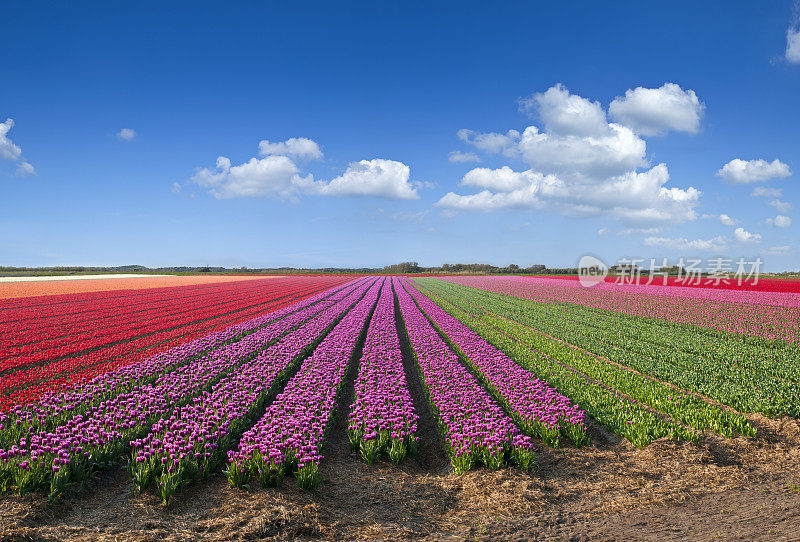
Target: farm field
13,287
386,407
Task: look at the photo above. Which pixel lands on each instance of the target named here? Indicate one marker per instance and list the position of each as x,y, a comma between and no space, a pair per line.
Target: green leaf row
738,386
682,407
619,414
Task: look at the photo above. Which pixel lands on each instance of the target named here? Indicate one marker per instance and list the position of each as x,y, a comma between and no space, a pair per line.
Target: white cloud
580,165
764,192
718,243
635,197
279,176
24,169
616,151
8,150
780,221
577,140
567,114
500,180
457,157
780,205
653,111
779,251
739,171
715,244
258,178
726,220
126,134
744,236
602,231
12,152
491,142
296,147
793,45
378,177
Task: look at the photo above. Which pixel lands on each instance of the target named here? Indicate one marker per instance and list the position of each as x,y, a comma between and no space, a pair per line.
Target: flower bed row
193,441
57,407
618,413
474,426
122,330
731,384
290,434
105,327
764,316
69,452
534,404
31,385
60,319
382,418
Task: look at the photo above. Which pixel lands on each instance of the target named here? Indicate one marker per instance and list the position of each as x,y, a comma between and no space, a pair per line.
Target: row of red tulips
28,384
100,325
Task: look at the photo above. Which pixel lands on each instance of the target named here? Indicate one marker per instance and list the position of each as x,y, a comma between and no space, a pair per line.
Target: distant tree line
475,269
404,268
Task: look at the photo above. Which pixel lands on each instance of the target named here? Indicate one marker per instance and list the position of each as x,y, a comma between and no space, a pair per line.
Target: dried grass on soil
731,489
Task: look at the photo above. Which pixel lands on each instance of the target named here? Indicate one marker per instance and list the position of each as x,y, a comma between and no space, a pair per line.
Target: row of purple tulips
290,434
535,405
194,439
474,426
382,417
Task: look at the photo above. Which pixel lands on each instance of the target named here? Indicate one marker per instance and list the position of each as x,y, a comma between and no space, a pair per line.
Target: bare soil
735,489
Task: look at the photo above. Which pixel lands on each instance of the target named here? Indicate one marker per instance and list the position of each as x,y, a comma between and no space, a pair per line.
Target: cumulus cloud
279,176
491,142
378,177
726,220
739,171
8,150
635,197
504,179
296,147
581,164
616,151
655,111
12,152
257,178
764,192
567,114
780,221
704,245
744,236
793,45
126,134
458,157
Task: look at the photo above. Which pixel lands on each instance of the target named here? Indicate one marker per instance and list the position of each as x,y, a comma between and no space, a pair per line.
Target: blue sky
364,134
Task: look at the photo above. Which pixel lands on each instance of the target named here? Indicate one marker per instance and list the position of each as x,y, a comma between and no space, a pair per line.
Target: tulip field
247,378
